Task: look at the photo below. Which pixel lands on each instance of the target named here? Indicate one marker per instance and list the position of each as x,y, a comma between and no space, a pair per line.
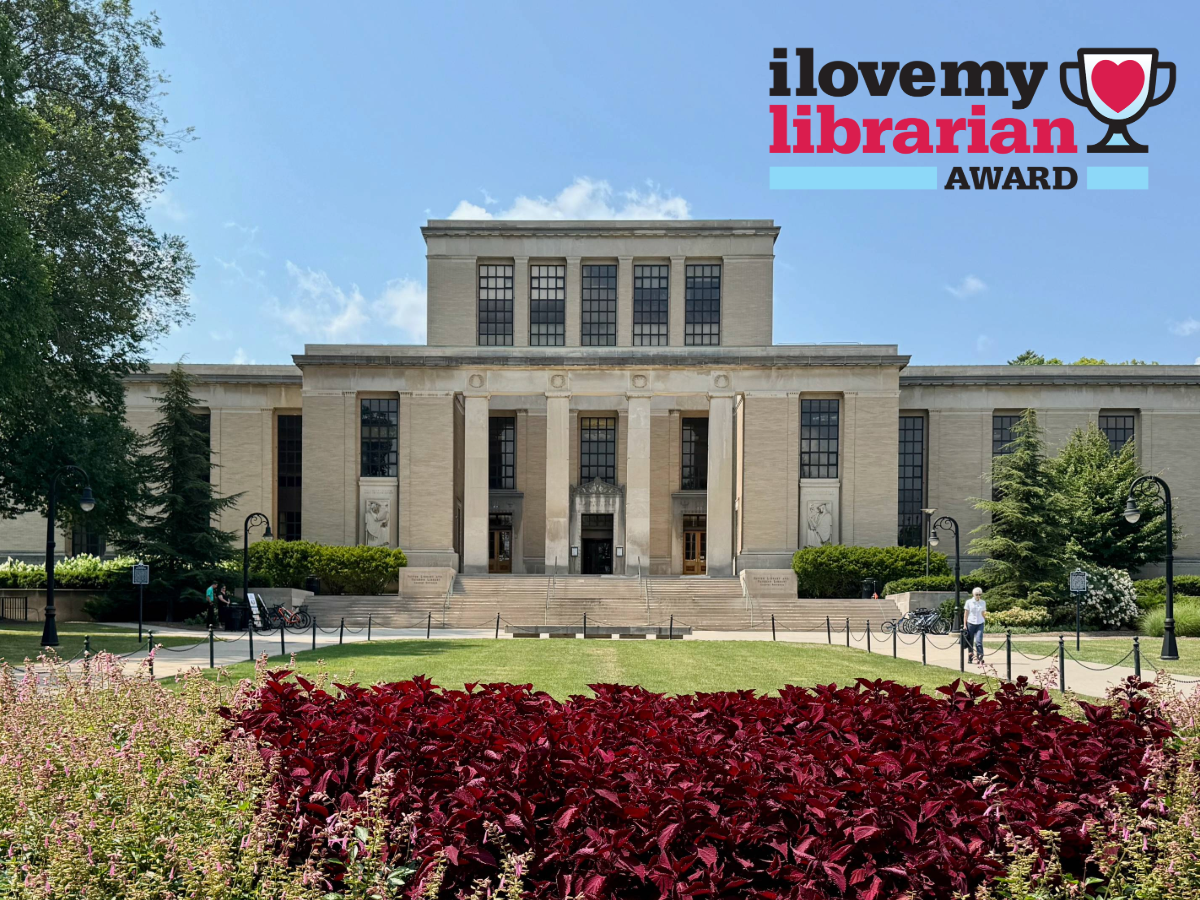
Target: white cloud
168,206
488,199
969,286
585,198
319,308
240,358
1185,328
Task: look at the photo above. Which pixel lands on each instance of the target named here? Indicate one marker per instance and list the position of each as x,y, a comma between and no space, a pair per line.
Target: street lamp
253,519
87,503
1132,515
928,513
947,522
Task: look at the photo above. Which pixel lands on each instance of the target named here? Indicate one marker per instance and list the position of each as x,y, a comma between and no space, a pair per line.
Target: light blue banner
854,178
1118,178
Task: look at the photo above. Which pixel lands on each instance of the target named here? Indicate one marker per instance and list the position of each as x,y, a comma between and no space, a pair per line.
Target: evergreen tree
178,538
1027,537
1094,484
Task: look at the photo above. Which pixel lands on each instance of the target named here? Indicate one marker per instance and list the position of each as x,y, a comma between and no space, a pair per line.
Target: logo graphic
1117,87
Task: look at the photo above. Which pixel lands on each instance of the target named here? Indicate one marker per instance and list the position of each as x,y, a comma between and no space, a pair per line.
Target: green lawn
1107,651
23,640
565,667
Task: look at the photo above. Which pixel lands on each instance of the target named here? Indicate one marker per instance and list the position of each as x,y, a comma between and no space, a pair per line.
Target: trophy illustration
1118,88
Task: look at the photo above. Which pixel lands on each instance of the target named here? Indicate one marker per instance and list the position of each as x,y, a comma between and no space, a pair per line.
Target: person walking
210,598
973,612
223,609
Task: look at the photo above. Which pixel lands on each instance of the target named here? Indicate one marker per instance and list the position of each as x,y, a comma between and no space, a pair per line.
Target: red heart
1117,85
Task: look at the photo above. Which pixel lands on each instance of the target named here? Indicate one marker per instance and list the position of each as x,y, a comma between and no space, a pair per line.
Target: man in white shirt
973,616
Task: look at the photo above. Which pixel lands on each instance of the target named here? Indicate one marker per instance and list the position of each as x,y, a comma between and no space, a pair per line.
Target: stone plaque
770,583
422,581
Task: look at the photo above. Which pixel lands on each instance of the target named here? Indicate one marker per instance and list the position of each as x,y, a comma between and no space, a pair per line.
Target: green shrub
1185,585
1149,601
839,571
1187,619
342,570
1018,617
938,583
84,572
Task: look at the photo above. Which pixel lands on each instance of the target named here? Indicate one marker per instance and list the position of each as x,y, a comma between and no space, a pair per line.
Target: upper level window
86,540
1002,433
702,305
547,306
502,453
1118,428
693,475
380,426
651,293
597,449
495,306
911,486
819,438
288,467
598,321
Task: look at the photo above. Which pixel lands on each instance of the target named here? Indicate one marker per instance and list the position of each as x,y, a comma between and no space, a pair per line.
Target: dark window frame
910,488
547,305
598,305
1119,428
702,305
820,438
289,468
651,305
502,453
379,437
494,305
598,449
693,458
1002,436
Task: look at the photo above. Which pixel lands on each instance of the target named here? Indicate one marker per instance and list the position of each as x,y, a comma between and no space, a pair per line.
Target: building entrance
596,538
499,543
695,545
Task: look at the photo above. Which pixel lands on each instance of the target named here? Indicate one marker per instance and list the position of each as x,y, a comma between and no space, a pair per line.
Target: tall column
720,485
558,482
475,486
637,486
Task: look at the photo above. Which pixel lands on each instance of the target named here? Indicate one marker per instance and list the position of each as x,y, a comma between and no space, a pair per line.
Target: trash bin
868,588
238,616
312,583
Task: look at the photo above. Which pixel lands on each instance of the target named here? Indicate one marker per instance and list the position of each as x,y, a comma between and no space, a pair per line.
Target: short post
87,643
585,626
1008,654
847,631
772,626
282,640
1062,664
314,640
895,631
923,648
428,625
341,630
1137,658
368,626
212,649
250,635
150,652
671,630
868,635
497,626
962,650
828,631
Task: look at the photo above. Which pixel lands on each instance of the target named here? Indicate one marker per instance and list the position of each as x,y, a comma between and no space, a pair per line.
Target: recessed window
819,438
502,453
288,467
702,306
86,540
912,482
380,429
547,306
495,306
693,475
597,449
651,293
1118,428
1002,434
598,316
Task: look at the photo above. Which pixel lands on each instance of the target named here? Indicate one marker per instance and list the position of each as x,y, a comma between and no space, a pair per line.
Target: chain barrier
1053,652
1098,668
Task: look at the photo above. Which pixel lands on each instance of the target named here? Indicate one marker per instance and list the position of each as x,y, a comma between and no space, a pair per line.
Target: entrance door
695,545
596,544
500,543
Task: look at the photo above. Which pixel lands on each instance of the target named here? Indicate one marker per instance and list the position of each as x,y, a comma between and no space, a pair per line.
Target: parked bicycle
920,621
281,617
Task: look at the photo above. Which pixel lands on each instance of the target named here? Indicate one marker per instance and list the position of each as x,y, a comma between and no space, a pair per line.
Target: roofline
950,376
611,227
205,373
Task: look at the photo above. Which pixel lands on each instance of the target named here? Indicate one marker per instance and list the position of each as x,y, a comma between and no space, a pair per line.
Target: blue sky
325,139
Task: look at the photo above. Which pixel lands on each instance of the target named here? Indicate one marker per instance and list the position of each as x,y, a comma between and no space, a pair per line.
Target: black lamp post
252,519
927,513
947,522
1132,514
87,503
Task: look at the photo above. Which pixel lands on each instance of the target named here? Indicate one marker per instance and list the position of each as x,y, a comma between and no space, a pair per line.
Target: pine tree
1094,484
1027,536
178,538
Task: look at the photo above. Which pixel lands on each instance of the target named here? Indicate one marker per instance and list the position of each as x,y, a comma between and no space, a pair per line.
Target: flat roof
458,227
934,376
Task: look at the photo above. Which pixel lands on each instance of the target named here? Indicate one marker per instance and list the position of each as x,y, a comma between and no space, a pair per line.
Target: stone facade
676,458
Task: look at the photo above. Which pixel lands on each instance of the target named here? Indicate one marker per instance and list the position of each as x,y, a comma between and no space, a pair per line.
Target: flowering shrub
1020,617
1111,600
871,791
342,570
82,571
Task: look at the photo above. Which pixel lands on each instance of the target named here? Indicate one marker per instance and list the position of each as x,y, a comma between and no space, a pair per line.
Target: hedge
838,571
938,583
342,570
1186,585
83,572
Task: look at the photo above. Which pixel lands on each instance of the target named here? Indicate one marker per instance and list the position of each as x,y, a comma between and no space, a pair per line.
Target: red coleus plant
872,791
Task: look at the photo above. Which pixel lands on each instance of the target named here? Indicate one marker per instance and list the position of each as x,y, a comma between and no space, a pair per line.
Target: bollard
212,649
368,626
87,643
497,626
1008,654
150,652
282,644
847,631
1137,658
671,630
341,630
962,650
922,648
868,635
828,631
1062,664
428,625
895,631
585,626
314,643
250,636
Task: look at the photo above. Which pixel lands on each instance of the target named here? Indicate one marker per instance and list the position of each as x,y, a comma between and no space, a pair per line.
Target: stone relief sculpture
377,520
820,523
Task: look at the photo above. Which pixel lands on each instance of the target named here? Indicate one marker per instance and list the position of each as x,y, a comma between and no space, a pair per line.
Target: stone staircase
809,615
706,604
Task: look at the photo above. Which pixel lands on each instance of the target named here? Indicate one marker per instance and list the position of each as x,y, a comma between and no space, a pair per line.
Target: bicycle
921,621
281,616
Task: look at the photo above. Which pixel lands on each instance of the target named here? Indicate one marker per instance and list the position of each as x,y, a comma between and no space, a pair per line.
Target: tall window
819,438
289,447
598,322
597,449
702,305
651,293
502,453
495,306
547,306
693,474
380,431
912,481
1118,428
86,540
1002,434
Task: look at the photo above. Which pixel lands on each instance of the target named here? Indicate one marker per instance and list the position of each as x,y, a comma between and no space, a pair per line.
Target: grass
23,640
1108,651
565,667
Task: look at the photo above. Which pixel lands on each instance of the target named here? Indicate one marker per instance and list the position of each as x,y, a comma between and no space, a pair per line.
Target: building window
693,474
819,438
547,306
495,306
289,439
702,306
380,427
1118,428
86,540
912,482
1002,434
651,293
204,426
502,453
597,449
598,321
